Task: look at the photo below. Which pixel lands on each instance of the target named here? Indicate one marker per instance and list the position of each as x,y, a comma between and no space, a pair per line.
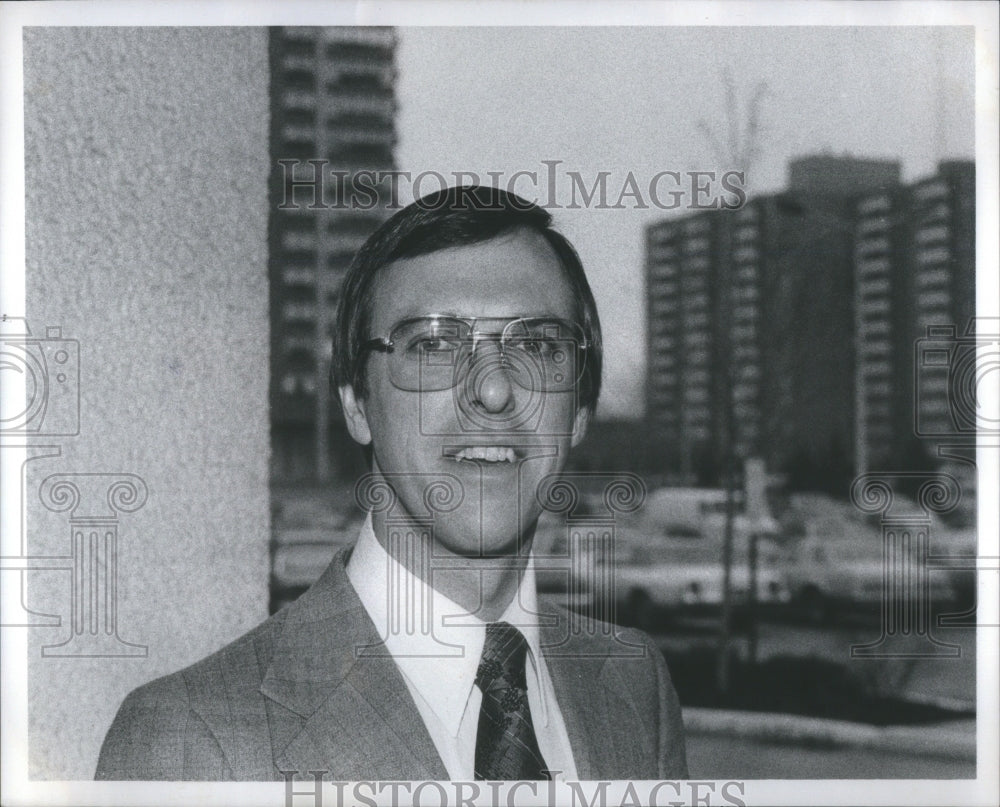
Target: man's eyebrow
456,315
424,313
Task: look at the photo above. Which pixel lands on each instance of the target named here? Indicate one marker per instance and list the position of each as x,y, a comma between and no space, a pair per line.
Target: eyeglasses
436,352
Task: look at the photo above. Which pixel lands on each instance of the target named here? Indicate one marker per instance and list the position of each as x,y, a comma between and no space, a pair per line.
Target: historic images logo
47,371
49,368
316,185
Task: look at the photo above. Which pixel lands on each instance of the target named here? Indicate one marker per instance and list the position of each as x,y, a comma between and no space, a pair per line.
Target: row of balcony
932,234
342,102
377,36
663,258
370,65
746,255
872,266
873,205
876,391
869,327
933,190
696,246
935,276
336,133
873,287
872,246
937,301
933,255
874,348
304,279
338,236
879,224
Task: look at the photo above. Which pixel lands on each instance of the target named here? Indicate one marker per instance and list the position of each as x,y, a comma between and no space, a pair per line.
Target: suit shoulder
242,661
628,656
599,638
235,664
170,719
151,733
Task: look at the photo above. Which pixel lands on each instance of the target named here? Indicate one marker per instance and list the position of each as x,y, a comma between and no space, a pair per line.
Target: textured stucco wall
146,203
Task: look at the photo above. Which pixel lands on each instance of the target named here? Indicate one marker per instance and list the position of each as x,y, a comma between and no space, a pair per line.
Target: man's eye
430,344
536,347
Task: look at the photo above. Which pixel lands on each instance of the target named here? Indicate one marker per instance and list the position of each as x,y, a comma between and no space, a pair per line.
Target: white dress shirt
439,667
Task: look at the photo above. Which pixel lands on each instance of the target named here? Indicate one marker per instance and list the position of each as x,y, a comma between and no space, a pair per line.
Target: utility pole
740,153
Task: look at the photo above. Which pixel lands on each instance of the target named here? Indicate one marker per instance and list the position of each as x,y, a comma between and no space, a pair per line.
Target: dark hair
457,216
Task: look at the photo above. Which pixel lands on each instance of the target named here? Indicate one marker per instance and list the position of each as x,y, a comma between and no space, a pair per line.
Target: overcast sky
631,99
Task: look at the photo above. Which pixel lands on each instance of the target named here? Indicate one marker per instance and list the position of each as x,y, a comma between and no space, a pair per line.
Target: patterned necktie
506,748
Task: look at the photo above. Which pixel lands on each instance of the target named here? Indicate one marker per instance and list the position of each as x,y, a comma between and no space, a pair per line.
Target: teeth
486,453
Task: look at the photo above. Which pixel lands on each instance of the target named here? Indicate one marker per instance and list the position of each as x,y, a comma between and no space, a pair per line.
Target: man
467,359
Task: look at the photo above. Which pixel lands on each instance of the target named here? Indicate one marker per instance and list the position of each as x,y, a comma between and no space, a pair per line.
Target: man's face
499,438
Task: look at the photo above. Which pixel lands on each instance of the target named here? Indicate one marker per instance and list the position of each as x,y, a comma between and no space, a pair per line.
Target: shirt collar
439,655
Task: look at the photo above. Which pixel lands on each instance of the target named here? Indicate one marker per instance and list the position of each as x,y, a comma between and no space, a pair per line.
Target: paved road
720,757
946,679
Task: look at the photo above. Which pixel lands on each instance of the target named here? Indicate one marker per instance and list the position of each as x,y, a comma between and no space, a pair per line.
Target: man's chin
489,547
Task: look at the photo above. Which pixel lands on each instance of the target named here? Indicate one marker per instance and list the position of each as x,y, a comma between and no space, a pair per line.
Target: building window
694,246
874,287
930,190
872,266
295,311
930,255
933,300
933,277
874,204
297,276
929,235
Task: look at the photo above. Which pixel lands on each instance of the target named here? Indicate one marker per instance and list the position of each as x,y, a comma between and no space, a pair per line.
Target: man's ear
354,414
580,424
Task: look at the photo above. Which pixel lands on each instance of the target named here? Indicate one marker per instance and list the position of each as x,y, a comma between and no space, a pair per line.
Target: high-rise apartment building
880,332
915,284
767,368
332,115
682,341
747,328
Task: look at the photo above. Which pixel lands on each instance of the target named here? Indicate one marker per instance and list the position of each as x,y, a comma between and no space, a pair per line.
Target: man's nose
490,382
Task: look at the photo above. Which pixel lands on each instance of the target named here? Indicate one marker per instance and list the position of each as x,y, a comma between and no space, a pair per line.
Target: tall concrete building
915,300
751,322
333,112
683,342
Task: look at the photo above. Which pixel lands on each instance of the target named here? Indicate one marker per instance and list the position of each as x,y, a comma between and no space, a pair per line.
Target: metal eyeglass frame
385,344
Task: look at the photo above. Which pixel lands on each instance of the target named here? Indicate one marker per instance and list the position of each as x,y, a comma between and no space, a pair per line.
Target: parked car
831,579
658,580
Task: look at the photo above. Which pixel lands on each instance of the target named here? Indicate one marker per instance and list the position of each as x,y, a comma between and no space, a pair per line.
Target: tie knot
504,654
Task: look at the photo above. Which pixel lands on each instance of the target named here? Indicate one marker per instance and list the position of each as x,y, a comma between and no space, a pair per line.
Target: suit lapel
334,708
349,713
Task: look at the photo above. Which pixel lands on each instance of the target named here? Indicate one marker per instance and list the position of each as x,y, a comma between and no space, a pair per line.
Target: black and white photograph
506,403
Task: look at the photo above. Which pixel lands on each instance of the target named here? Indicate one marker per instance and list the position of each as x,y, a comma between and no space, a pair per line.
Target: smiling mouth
487,454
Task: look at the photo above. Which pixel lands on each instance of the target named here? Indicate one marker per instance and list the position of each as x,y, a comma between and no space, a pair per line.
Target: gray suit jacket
293,695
